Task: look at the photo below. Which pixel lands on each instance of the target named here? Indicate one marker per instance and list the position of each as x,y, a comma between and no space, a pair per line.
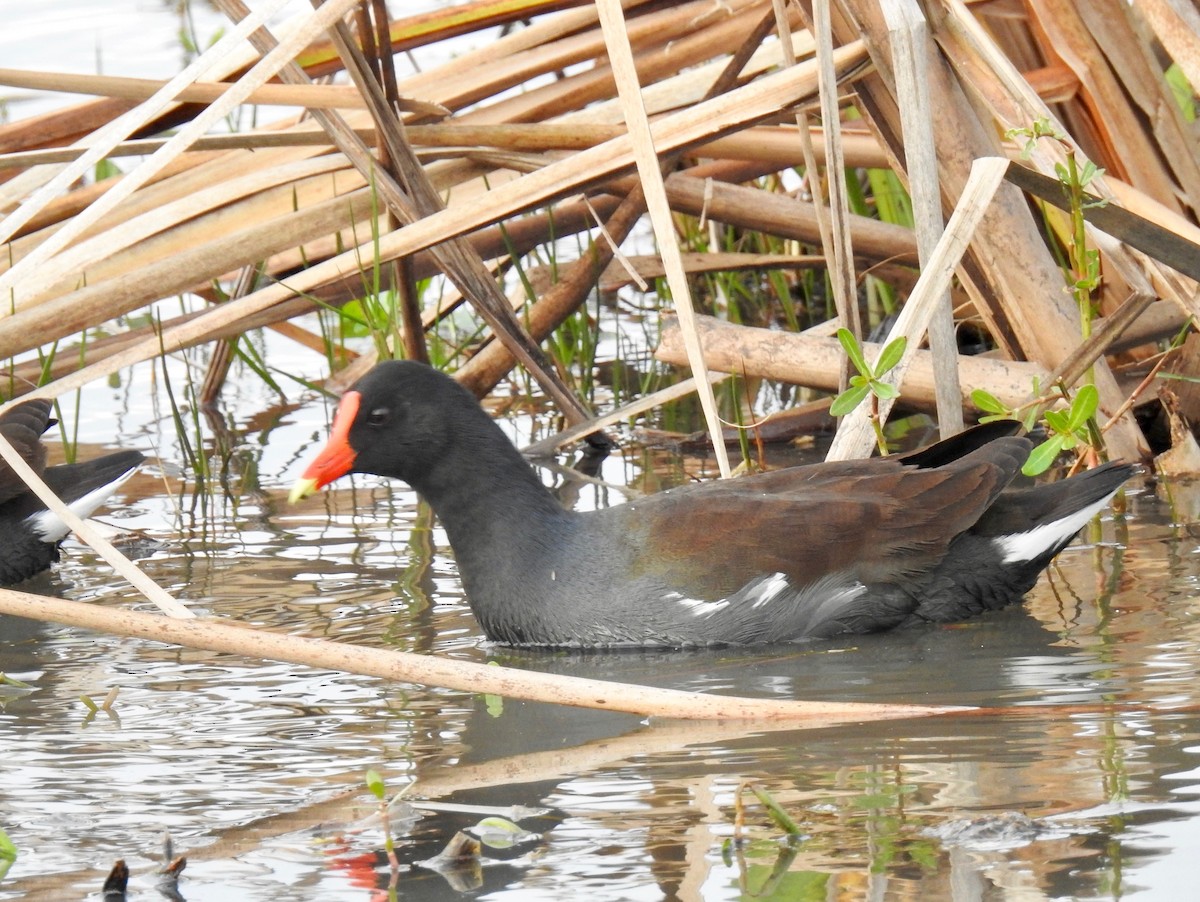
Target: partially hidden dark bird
932,536
30,535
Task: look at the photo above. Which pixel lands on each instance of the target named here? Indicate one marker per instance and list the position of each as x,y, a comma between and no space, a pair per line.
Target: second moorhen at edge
814,551
29,533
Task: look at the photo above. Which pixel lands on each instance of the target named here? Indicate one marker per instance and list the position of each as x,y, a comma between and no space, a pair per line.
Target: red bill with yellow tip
337,457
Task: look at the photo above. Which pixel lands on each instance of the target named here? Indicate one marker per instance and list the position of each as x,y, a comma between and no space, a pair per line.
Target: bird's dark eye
378,416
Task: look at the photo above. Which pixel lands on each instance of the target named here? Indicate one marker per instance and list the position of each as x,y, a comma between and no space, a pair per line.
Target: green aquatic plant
869,381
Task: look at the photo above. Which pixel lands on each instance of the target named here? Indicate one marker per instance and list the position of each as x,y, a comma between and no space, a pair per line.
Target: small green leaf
1058,420
8,851
987,402
1089,173
890,356
1042,456
884,391
1083,408
727,852
853,351
848,400
375,784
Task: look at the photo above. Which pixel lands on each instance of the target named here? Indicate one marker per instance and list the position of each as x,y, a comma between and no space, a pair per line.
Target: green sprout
869,381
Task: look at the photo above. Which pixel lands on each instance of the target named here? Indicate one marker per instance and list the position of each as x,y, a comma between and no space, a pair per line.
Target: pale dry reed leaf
120,129
28,274
620,56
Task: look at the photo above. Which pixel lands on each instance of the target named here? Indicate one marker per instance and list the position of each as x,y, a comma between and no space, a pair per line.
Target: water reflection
1086,787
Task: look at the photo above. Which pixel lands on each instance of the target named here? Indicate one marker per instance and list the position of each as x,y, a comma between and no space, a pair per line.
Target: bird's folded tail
83,487
1034,525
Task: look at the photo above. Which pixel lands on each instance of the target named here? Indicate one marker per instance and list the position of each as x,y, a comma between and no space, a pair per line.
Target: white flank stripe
1025,546
47,527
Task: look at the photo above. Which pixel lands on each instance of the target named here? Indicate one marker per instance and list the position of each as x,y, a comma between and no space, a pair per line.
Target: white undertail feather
697,606
1025,546
46,525
767,590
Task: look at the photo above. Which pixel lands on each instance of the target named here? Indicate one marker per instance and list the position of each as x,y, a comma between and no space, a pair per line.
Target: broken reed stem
447,673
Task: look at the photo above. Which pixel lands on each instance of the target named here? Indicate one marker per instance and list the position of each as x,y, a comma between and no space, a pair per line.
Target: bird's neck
486,495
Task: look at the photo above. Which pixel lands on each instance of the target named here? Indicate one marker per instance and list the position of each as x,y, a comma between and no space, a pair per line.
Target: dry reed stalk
1177,27
448,673
523,236
620,56
1025,307
785,216
910,50
65,315
841,260
462,266
122,127
855,436
1013,104
258,75
230,263
285,191
1144,142
319,96
485,370
812,360
745,105
630,411
669,39
647,267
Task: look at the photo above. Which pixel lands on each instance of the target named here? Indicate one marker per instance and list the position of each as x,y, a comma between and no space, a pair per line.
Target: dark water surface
256,769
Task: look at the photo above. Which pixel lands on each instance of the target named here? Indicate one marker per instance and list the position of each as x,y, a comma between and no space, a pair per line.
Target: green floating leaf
848,400
500,833
375,784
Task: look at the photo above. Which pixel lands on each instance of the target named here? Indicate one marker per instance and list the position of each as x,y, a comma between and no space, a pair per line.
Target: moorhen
29,533
813,551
